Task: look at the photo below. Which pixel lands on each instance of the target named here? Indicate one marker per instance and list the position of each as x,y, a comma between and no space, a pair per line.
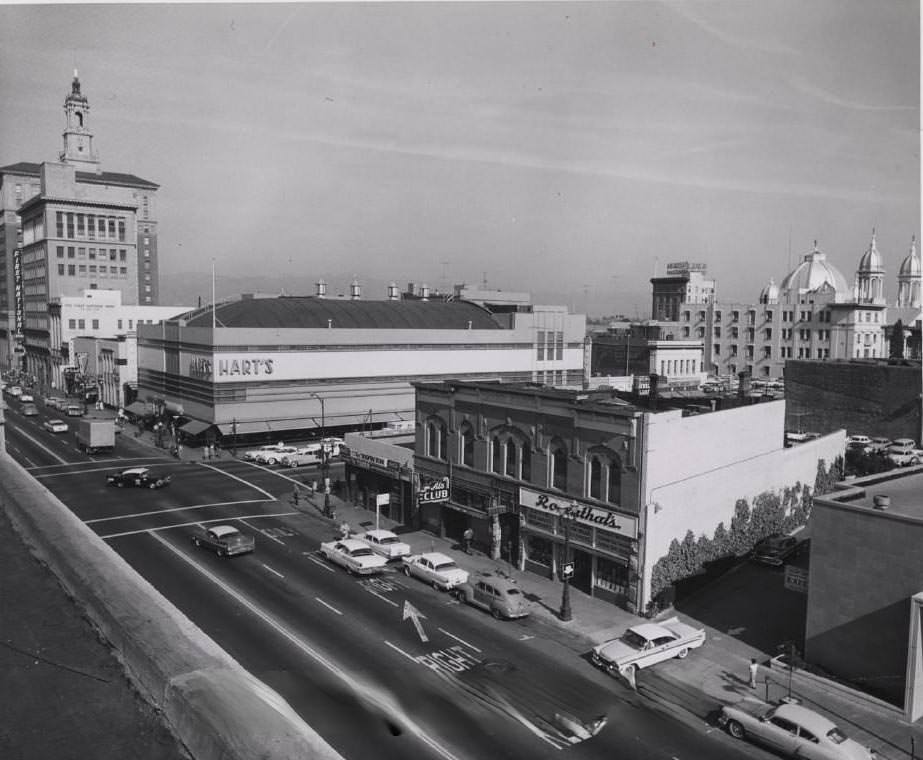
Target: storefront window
611,576
539,550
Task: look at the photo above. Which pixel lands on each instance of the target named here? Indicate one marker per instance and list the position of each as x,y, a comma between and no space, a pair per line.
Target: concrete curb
214,707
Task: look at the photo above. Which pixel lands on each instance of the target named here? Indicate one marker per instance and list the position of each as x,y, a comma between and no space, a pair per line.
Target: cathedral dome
911,267
813,273
871,259
770,293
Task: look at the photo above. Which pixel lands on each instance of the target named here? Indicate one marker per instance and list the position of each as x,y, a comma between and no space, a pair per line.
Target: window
769,316
71,269
81,253
767,352
686,316
717,315
717,331
733,349
95,324
70,226
60,268
701,316
525,461
111,228
435,433
81,230
71,324
785,725
121,229
91,226
147,289
466,435
735,333
60,250
686,332
91,254
496,455
59,221
596,478
112,254
101,227
120,324
558,466
92,268
70,252
540,345
767,333
735,316
510,468
82,268
81,324
122,254
559,345
716,349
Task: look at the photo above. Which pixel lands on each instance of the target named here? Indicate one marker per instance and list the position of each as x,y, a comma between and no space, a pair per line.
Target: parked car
52,402
140,477
73,410
385,543
499,596
354,555
333,446
903,452
864,440
273,456
29,410
774,549
15,391
251,454
55,426
880,443
792,730
435,568
648,643
904,442
26,397
302,458
224,540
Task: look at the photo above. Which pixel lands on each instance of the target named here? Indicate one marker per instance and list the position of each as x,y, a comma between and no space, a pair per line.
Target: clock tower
78,140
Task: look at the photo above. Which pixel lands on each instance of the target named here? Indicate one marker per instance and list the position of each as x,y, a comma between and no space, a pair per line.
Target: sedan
435,568
792,730
274,456
141,477
903,454
385,543
224,540
55,426
26,397
646,644
354,555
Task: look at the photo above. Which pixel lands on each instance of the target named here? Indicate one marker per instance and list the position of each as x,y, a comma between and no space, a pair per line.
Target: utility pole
567,567
325,464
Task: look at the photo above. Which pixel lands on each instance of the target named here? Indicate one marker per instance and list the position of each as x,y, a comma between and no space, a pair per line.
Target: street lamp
567,569
325,467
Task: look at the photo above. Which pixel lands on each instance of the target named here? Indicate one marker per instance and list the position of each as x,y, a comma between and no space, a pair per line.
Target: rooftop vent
320,289
394,293
881,501
355,289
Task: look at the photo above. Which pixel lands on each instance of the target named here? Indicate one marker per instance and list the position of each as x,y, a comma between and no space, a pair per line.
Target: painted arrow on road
415,615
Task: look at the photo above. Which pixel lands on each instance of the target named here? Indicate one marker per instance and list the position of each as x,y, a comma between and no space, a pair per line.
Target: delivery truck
95,436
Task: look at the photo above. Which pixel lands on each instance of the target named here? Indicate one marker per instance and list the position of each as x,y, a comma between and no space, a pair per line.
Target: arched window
596,478
443,442
511,451
558,466
467,445
526,462
614,491
604,476
496,455
436,439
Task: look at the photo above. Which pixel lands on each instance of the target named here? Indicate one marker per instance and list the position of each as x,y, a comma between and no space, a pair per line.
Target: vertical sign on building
20,306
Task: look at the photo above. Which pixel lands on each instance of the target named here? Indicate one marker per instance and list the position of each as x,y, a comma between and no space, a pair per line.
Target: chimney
355,290
393,293
424,292
320,289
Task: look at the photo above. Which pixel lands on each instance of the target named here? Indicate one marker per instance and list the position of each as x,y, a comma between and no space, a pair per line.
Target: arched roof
813,273
871,259
910,266
312,312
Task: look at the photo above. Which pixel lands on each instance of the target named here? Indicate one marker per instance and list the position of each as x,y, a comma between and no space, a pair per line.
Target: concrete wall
698,467
215,707
866,566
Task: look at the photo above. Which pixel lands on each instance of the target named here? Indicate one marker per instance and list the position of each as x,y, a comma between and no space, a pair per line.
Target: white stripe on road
176,509
383,702
460,641
264,533
197,522
383,598
274,572
328,606
398,649
42,446
245,482
317,561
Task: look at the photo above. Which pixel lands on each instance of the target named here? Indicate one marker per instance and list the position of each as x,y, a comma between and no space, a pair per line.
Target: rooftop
903,487
103,178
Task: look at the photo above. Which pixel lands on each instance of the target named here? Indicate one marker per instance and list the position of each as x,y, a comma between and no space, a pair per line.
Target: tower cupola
78,140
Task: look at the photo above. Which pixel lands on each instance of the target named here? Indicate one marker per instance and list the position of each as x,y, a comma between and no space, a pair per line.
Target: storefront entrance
583,570
509,538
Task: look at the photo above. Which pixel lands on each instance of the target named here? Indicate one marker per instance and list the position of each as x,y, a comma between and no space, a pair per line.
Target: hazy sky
560,148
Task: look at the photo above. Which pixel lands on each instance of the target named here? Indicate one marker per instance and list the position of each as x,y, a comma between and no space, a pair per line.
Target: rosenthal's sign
624,525
434,493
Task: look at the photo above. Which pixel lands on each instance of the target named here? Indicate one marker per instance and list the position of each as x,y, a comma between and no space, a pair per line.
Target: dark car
138,477
224,540
774,549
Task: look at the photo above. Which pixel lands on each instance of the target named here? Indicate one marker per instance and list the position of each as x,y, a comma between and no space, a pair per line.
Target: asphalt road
338,648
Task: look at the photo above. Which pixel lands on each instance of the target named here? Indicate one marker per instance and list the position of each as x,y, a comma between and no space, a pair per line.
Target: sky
568,149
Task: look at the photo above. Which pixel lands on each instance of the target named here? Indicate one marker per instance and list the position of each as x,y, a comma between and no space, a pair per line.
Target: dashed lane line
318,562
328,606
460,641
176,509
153,531
274,572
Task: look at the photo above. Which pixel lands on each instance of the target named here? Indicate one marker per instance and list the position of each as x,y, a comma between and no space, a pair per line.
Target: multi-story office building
813,314
67,226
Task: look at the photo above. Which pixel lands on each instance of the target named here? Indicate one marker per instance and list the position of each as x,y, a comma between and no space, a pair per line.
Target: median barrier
215,707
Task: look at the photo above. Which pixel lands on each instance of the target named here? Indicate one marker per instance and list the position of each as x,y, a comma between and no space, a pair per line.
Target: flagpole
213,299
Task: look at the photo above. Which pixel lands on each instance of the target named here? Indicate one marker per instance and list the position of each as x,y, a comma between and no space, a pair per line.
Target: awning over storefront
243,428
137,407
194,427
293,424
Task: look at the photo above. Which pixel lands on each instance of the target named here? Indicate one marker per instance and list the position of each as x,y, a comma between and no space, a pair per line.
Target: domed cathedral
909,278
908,309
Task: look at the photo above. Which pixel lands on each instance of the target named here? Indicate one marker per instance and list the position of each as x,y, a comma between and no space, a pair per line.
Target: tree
896,348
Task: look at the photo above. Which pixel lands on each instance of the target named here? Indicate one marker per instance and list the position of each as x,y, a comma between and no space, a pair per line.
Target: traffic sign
567,570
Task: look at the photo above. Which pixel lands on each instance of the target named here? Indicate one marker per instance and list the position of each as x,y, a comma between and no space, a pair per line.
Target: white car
859,440
302,458
646,644
252,454
437,569
55,426
274,456
385,543
26,397
15,391
903,452
333,445
354,555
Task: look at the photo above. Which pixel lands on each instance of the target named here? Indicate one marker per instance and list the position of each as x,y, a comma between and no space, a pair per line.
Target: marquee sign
624,525
434,493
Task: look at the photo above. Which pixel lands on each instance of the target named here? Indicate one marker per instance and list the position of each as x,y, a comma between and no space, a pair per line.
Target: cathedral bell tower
78,140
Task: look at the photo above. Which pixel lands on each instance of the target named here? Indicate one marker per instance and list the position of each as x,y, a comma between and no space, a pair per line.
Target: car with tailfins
139,477
224,540
354,555
435,568
274,456
646,644
250,455
499,596
385,543
792,731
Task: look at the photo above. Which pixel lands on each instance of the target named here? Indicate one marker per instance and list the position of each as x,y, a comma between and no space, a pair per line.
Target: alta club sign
624,525
435,492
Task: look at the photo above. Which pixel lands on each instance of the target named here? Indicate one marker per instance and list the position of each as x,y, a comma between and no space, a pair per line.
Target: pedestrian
344,530
179,451
754,668
468,539
295,495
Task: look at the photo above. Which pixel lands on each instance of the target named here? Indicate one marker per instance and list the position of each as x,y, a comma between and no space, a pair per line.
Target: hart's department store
270,367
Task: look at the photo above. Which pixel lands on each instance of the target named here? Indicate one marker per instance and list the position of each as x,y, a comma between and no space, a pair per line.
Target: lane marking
460,641
196,522
274,572
241,480
364,692
398,649
264,533
42,446
328,606
526,637
175,509
318,562
124,464
382,597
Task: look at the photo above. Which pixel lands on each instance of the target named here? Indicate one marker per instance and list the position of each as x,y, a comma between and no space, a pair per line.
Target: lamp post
567,569
325,468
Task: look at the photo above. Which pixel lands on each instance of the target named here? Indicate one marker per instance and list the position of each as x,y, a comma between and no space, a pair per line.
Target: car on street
903,452
251,454
26,397
52,402
55,426
435,568
15,391
302,457
774,549
385,543
73,410
646,644
880,443
791,730
333,445
224,540
274,456
863,439
29,410
499,596
139,477
354,555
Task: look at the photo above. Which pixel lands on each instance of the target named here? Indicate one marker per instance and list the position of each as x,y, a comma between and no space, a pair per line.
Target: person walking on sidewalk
468,539
754,669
